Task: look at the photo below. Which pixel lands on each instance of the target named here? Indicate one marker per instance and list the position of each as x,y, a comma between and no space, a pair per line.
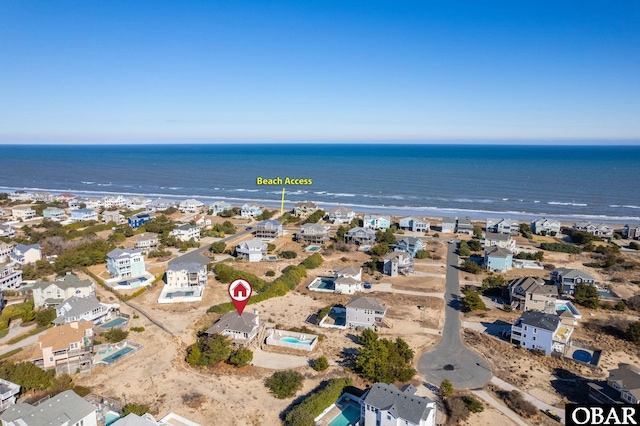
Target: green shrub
45,316
241,357
288,254
313,405
472,301
218,247
313,261
270,273
135,408
561,247
115,335
446,388
320,364
284,384
137,329
423,254
474,405
470,266
384,360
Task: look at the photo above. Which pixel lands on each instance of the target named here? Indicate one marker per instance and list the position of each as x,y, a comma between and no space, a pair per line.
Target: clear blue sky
127,71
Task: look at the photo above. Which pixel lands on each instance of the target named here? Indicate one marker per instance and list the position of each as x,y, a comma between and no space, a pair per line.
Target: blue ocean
563,182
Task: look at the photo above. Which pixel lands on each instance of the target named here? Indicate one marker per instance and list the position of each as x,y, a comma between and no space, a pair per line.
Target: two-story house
415,224
410,245
186,233
191,206
464,226
365,312
544,226
64,409
147,241
52,293
250,210
498,259
385,405
186,274
347,279
566,279
598,229
110,201
305,208
621,387
499,240
5,251
631,232
113,216
242,329
136,202
313,233
371,221
537,330
219,207
23,212
87,308
253,250
125,263
10,278
8,394
7,230
341,215
448,225
42,196
268,229
503,226
79,215
68,344
26,254
360,236
137,220
531,293
54,213
159,205
397,262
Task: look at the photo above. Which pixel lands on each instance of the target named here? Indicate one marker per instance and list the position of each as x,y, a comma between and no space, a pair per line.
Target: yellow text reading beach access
286,181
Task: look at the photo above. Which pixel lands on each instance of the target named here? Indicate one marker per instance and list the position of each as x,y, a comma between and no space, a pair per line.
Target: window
535,330
534,338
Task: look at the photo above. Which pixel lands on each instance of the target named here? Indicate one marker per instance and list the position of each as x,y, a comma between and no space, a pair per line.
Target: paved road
450,358
196,256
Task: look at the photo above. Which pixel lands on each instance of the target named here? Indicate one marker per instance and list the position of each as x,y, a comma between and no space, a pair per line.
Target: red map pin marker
240,291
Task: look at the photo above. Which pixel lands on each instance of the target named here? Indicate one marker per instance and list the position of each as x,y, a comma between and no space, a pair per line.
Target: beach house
186,233
531,293
8,394
268,229
631,232
7,231
67,346
147,241
65,197
498,259
136,202
52,293
22,212
410,245
313,233
415,225
448,225
54,213
397,262
26,254
566,279
544,226
371,221
242,329
597,229
137,220
19,195
305,208
503,226
125,263
65,409
219,207
365,312
621,387
385,405
110,201
464,226
341,215
537,330
360,236
253,250
499,240
42,196
113,216
5,251
182,275
347,279
80,215
191,206
85,308
159,205
10,278
250,210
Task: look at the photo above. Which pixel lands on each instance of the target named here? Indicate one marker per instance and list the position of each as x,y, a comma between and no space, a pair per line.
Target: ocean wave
559,203
87,183
631,207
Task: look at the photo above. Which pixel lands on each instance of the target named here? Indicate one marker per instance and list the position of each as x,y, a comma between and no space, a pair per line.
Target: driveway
450,358
196,256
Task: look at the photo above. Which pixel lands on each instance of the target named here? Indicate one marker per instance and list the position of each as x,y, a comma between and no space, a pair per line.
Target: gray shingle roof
133,420
534,285
540,320
404,405
573,273
364,302
118,252
346,270
65,282
65,408
79,306
497,237
244,323
499,252
192,267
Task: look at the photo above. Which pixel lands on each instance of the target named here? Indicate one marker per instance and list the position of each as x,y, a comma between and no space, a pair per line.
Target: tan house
305,208
531,293
23,212
66,347
55,292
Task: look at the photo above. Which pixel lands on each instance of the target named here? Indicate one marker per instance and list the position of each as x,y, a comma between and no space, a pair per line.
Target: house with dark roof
448,225
360,236
137,220
621,387
313,233
531,293
464,226
415,225
566,279
498,259
410,245
385,405
541,331
25,254
631,232
52,293
397,262
365,312
242,329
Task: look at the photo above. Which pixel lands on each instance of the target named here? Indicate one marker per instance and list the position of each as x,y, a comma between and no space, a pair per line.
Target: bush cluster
314,404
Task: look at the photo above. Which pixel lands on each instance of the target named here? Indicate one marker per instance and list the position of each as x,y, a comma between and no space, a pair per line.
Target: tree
380,249
214,348
340,233
423,254
116,335
314,404
477,232
284,384
27,375
288,254
472,301
474,245
633,332
320,364
473,404
218,247
586,295
386,236
470,266
525,230
383,360
463,250
194,355
446,388
45,316
241,357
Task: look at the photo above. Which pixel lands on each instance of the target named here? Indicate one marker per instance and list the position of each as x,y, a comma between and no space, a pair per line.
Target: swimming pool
296,341
111,417
117,355
347,417
312,249
114,323
325,283
180,294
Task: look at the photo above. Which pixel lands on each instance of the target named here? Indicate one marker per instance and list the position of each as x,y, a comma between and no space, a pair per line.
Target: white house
186,274
252,250
110,201
341,215
242,329
22,212
219,207
503,226
499,240
347,280
19,195
537,330
448,225
415,225
66,409
371,221
305,208
159,205
385,405
544,226
365,312
8,394
52,293
250,210
79,215
136,202
7,231
5,251
631,232
26,254
191,206
86,308
597,229
397,262
186,232
147,241
10,278
45,197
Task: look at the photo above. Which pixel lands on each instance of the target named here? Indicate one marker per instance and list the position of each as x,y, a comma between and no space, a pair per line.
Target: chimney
256,321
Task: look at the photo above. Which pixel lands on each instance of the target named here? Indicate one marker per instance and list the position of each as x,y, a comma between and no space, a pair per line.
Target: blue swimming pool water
349,416
606,294
117,355
110,417
114,323
296,341
582,355
326,283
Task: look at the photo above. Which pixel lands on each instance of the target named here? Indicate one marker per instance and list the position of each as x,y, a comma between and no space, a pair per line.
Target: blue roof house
137,220
410,244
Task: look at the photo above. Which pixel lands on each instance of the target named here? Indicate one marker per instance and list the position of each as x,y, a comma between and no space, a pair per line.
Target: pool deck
102,351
